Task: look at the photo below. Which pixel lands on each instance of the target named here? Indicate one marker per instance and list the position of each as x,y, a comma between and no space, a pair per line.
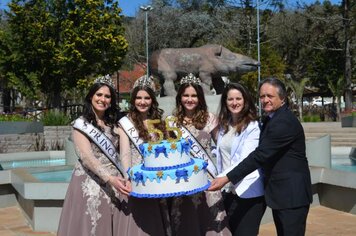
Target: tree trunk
347,72
56,99
300,109
7,100
338,109
13,100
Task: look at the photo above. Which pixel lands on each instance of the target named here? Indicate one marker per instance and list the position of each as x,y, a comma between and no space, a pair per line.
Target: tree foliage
298,89
311,39
272,64
54,43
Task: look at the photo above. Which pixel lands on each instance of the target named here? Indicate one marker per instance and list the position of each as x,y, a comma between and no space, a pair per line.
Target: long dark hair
154,112
247,114
201,114
109,115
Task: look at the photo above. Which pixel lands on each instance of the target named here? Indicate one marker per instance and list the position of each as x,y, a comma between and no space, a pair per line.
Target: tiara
143,81
190,79
105,80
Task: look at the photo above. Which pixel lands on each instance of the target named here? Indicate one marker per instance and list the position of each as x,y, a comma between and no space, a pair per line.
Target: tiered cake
168,170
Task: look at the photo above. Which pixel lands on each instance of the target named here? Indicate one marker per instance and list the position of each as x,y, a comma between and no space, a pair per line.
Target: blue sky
130,7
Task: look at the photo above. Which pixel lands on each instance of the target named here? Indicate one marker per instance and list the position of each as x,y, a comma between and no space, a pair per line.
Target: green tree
311,41
9,91
349,44
338,90
298,89
54,43
325,55
272,64
287,35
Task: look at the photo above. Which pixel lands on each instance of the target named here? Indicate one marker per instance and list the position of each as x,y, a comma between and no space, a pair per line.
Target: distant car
306,103
319,103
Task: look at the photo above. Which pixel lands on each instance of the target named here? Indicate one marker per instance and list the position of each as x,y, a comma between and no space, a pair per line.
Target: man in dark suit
281,154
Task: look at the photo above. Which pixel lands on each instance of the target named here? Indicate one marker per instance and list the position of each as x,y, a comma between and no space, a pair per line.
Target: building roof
126,78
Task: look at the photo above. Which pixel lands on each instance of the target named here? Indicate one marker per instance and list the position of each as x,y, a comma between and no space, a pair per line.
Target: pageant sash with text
199,152
131,132
100,139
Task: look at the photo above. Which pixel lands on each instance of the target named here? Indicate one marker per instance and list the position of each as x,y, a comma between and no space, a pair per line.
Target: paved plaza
321,221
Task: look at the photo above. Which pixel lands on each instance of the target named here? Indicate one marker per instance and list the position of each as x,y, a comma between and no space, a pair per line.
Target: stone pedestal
168,104
318,151
70,155
348,121
20,127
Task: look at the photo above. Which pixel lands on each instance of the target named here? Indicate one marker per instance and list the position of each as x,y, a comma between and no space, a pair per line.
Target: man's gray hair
282,91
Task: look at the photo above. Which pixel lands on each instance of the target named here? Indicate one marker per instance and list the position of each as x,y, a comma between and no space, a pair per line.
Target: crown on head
106,79
190,79
143,81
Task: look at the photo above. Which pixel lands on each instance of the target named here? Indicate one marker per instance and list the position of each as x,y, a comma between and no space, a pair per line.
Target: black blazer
281,154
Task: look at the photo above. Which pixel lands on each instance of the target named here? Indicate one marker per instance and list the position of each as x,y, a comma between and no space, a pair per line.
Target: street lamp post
258,56
146,9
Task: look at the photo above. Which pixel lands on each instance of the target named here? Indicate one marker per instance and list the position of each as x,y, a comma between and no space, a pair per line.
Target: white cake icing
156,155
168,170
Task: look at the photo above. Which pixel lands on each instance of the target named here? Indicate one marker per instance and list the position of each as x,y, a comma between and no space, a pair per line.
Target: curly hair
154,113
201,114
247,114
109,115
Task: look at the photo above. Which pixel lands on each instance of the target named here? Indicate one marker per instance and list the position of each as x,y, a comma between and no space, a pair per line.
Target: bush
311,118
55,118
13,117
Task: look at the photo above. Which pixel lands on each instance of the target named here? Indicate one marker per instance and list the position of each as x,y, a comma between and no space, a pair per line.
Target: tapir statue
209,62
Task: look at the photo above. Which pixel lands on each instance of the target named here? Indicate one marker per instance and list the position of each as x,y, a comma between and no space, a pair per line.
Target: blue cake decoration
181,173
165,147
139,178
185,146
160,149
143,167
141,173
205,165
176,194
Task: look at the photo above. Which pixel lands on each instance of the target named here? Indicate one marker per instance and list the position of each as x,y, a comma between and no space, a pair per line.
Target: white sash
103,142
131,131
199,152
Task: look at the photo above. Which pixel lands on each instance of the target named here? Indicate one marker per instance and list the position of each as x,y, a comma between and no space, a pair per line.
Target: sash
199,152
131,132
103,142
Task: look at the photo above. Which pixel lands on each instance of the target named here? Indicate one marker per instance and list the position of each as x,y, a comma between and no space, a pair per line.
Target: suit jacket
242,145
281,154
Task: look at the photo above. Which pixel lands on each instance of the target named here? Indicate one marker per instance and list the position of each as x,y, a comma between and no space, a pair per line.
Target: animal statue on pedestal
208,62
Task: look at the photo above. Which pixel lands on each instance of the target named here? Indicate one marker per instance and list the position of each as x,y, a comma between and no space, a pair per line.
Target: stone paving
13,223
321,221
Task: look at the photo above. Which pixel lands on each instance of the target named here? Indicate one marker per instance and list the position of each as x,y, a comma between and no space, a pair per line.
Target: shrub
311,118
13,117
55,118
